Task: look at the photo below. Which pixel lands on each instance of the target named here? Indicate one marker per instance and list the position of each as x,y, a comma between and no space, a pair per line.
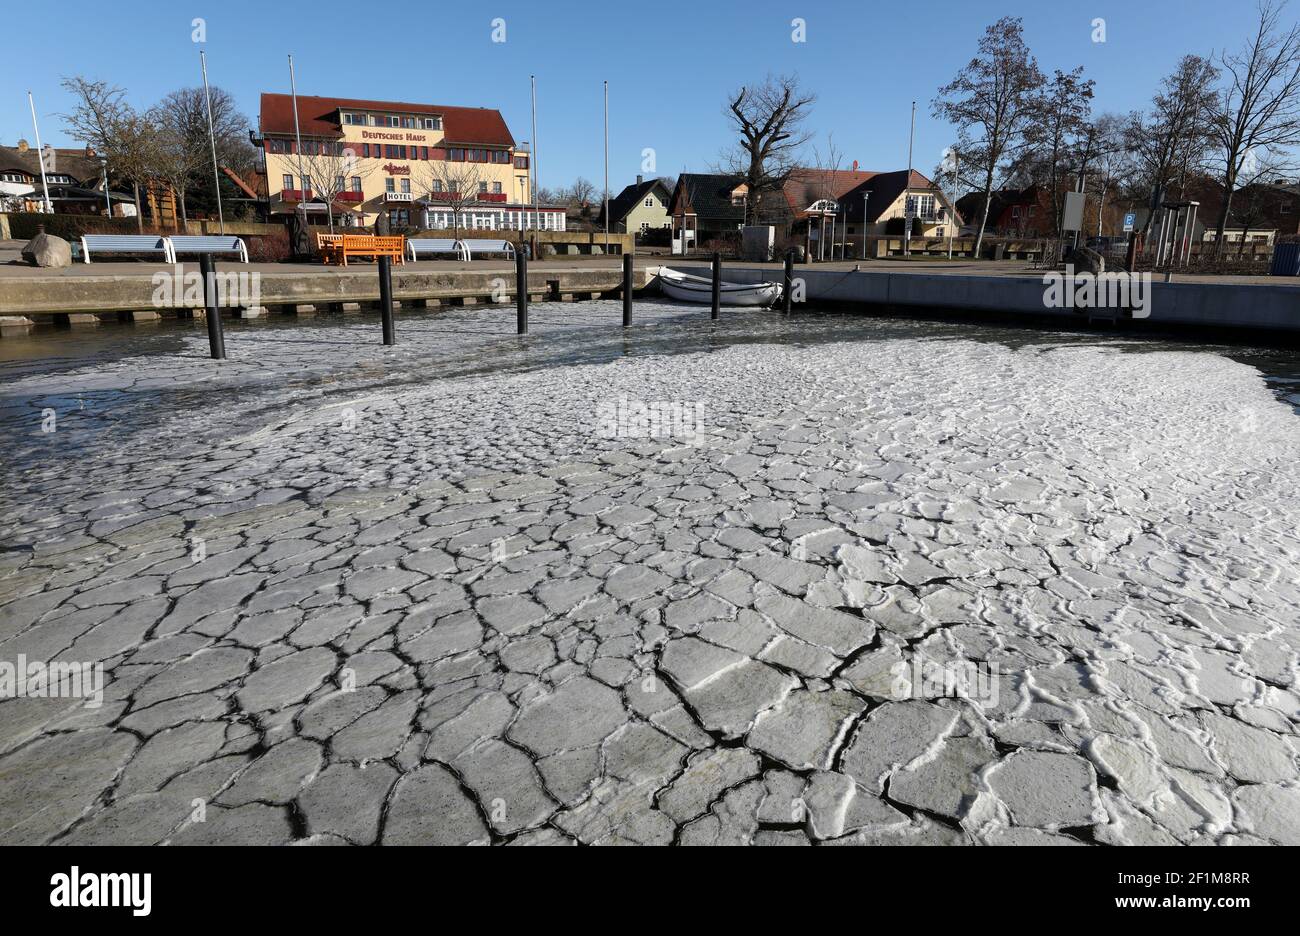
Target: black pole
521,292
386,298
216,338
788,292
627,290
717,284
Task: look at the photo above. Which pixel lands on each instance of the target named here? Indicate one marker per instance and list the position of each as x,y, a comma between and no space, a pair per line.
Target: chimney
22,146
638,180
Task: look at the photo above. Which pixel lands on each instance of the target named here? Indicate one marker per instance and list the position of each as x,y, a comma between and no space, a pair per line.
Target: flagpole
532,159
40,156
212,141
297,134
606,193
907,187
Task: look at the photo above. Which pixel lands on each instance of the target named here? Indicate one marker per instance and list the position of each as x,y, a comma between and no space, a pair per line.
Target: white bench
209,244
473,247
126,243
431,246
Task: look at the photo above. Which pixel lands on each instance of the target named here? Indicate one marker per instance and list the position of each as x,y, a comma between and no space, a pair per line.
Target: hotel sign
397,170
398,197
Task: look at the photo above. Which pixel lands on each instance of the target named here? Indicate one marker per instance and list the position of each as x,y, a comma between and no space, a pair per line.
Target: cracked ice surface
448,611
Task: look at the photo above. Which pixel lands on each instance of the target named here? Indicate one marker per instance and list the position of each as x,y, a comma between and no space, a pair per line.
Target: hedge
23,225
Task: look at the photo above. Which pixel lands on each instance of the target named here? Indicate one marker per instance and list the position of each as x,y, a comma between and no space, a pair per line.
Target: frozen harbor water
455,592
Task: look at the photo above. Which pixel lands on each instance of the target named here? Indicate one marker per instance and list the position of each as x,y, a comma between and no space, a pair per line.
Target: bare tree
178,163
581,192
1058,138
1258,113
102,119
329,169
1256,192
769,123
992,104
1169,143
1105,146
824,188
451,183
183,114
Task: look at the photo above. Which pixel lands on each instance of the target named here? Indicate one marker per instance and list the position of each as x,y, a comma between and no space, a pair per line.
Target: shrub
268,248
655,237
23,225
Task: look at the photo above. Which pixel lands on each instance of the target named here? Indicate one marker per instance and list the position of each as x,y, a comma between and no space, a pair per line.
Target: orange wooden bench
336,248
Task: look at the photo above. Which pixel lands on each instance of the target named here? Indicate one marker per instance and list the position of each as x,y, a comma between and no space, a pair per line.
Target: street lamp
108,202
865,196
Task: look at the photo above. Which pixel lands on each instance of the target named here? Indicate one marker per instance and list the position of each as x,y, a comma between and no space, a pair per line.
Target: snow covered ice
345,593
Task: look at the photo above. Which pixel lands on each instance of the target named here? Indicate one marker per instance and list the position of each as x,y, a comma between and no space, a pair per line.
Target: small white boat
690,288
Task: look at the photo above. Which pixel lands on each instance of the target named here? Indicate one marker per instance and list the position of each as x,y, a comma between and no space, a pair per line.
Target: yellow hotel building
416,162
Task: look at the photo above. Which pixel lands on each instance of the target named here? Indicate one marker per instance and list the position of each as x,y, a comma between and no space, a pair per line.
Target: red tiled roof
805,186
318,116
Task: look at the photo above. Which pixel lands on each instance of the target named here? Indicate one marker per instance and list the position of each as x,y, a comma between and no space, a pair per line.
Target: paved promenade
844,583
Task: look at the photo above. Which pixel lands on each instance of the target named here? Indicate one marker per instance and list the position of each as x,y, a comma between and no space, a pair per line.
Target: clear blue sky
670,64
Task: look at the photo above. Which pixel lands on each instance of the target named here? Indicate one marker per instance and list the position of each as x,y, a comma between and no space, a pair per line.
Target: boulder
46,250
1086,260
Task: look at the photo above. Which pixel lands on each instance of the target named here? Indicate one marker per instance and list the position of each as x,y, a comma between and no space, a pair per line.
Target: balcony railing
293,194
350,197
479,196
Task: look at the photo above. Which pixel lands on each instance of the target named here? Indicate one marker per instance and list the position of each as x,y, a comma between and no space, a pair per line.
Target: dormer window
433,123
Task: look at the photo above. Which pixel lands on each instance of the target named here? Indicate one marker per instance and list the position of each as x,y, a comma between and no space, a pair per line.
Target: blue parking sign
1130,220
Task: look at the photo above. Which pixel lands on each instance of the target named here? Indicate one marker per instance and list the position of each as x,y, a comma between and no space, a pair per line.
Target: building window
406,186
356,183
399,217
521,162
408,123
340,183
394,122
645,227
276,145
482,187
496,188
424,152
437,185
649,202
287,181
389,185
922,205
433,123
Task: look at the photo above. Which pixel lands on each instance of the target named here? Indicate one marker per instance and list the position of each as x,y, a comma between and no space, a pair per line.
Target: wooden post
717,284
627,290
386,297
521,292
216,338
787,294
